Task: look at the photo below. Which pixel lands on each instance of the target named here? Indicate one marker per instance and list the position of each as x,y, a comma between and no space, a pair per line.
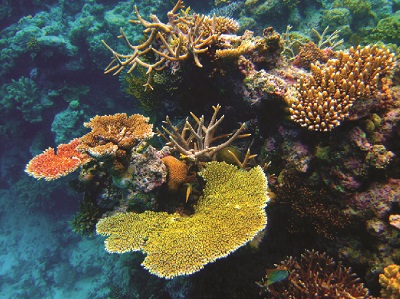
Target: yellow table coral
390,282
228,215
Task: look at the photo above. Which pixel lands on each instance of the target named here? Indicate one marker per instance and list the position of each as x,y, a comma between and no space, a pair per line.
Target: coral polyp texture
228,215
51,165
324,98
315,275
114,135
184,35
390,282
177,172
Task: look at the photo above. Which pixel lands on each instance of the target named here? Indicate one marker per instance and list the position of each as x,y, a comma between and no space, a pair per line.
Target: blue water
52,81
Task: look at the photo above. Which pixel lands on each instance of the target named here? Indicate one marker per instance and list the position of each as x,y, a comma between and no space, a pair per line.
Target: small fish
275,275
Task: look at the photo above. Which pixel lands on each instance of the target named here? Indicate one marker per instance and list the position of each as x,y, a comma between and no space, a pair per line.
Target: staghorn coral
185,35
50,165
325,97
114,136
228,215
315,275
194,142
390,282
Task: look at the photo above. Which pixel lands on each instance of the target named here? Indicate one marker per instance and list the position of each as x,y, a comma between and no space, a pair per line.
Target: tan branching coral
323,99
194,142
390,282
228,215
114,136
184,35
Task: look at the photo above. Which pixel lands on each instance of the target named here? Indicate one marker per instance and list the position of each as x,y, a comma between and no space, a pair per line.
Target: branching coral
315,275
185,35
325,98
114,136
390,282
309,210
195,142
50,165
228,215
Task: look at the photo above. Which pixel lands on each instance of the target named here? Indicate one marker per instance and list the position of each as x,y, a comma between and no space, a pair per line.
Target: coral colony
196,194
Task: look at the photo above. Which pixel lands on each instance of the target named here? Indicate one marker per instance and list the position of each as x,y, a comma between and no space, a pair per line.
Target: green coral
356,7
387,30
228,215
85,219
25,96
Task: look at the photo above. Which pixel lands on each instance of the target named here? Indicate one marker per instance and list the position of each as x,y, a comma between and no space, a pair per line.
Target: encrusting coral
194,142
390,282
51,165
323,99
185,35
228,215
315,275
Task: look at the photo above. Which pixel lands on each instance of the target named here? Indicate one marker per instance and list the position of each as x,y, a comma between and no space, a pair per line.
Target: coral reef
114,136
315,275
390,282
51,165
195,142
228,215
25,96
177,172
325,98
185,35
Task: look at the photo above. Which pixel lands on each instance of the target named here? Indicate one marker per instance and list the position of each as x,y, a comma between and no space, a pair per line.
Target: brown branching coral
323,99
310,53
114,136
184,35
309,210
194,142
315,275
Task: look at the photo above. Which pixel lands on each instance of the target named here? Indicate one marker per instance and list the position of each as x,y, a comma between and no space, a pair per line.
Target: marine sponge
390,282
228,215
325,98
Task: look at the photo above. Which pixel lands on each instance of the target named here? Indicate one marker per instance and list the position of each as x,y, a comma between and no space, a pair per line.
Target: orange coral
177,172
50,165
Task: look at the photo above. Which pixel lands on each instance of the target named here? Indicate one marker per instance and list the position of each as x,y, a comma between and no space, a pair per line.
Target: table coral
326,97
228,215
390,282
114,136
50,165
